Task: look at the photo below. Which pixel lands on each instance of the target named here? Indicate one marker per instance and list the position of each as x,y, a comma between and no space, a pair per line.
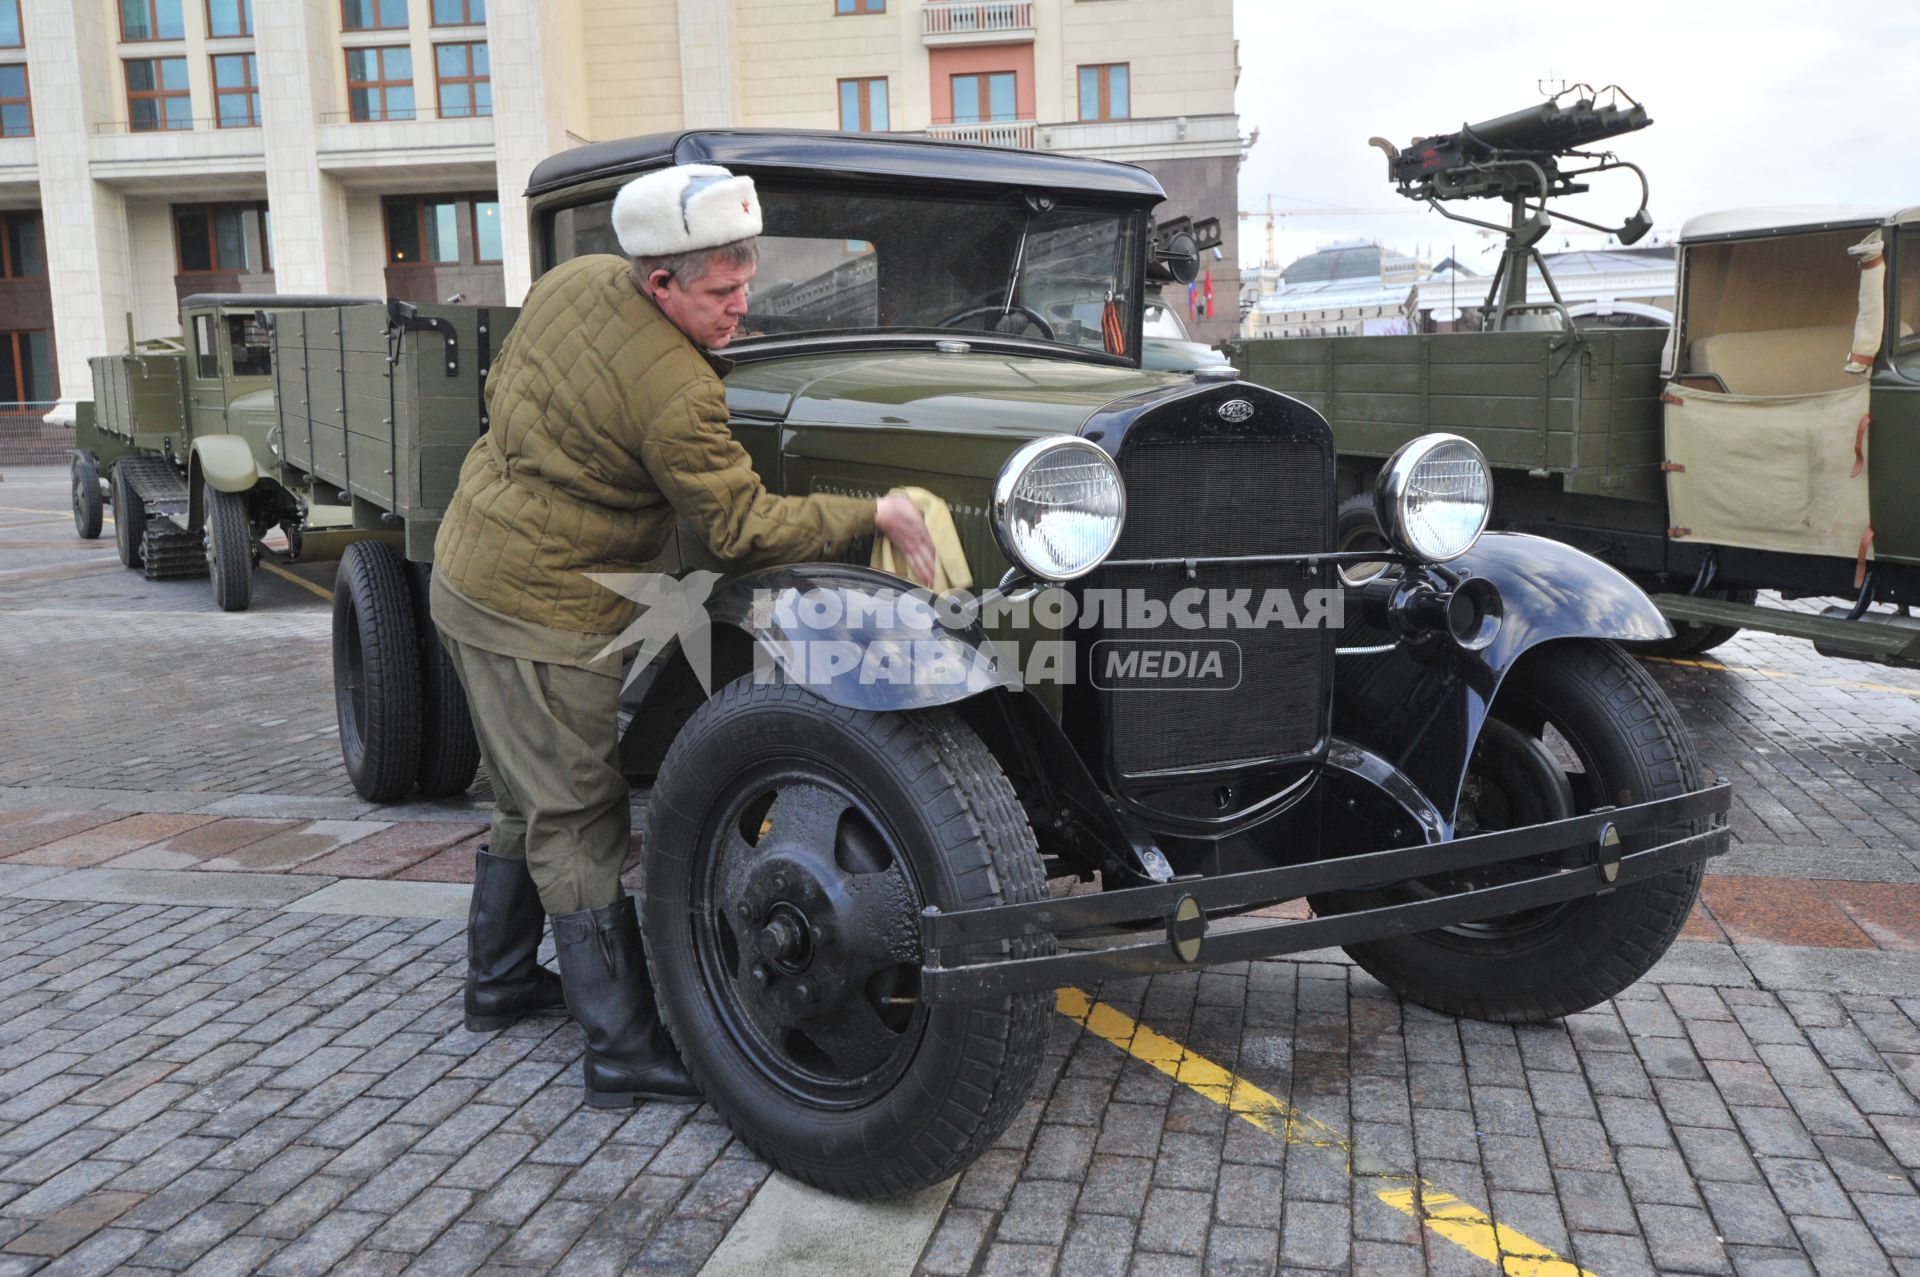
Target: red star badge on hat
745,207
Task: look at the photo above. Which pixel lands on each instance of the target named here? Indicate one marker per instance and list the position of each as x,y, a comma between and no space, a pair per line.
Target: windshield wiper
1035,204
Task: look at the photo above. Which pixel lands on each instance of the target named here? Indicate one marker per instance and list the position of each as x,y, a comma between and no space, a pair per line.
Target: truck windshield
845,262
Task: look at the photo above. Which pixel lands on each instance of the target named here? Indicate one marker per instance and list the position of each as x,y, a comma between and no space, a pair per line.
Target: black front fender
1421,706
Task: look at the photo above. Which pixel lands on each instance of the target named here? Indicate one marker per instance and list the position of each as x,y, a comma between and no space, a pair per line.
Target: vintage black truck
869,804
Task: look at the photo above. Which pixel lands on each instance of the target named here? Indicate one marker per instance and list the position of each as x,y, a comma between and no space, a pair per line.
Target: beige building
152,149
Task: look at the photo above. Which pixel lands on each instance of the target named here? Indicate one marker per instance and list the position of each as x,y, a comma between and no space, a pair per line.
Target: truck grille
1236,495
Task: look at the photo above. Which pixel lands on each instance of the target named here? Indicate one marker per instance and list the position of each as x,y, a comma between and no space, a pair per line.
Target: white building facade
151,149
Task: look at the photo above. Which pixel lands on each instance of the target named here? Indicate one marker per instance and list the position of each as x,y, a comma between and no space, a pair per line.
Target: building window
459,13
373,15
16,111
23,253
221,238
151,20
226,18
1104,92
157,95
980,98
10,37
465,89
236,91
426,230
859,6
486,230
26,368
380,83
863,106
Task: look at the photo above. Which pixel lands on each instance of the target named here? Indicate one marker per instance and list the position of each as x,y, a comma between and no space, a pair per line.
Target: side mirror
1179,256
1635,228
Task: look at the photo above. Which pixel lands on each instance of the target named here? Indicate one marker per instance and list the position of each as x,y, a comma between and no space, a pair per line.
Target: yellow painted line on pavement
1815,679
1465,1225
298,580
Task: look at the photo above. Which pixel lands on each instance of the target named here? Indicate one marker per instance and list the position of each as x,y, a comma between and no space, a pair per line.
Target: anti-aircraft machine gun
1521,158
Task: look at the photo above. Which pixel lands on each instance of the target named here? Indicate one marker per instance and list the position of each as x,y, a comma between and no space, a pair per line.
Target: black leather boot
503,934
630,1058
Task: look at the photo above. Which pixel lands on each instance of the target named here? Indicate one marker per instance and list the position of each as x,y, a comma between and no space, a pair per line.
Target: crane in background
1271,213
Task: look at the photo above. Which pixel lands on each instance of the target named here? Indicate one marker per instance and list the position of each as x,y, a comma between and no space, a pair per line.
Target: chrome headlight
1434,496
1058,506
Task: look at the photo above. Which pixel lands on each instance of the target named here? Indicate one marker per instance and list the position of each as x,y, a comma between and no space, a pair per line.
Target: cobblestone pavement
221,1052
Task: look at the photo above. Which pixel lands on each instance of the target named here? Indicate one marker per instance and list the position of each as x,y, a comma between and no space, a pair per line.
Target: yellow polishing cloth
950,561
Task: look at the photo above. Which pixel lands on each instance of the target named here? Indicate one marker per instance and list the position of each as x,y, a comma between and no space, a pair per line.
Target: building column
295,52
706,65
89,268
527,43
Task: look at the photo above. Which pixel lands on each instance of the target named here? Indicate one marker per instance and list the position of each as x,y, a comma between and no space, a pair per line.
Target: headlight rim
1015,466
1397,473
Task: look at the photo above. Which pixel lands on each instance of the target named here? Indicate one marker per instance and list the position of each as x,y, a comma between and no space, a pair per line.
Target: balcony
1014,133
977,22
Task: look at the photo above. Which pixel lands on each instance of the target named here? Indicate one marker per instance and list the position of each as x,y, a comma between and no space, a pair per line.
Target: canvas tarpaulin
1768,472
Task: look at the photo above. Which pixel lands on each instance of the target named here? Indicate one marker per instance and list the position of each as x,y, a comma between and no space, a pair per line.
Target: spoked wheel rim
806,934
1514,779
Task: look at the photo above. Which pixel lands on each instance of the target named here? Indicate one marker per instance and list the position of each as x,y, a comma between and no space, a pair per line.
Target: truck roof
270,301
889,155
1788,218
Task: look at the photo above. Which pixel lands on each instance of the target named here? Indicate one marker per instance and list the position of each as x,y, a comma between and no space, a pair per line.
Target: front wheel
376,671
790,848
87,512
1578,724
229,542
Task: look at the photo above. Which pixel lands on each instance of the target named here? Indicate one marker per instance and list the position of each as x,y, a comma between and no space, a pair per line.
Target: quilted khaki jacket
607,422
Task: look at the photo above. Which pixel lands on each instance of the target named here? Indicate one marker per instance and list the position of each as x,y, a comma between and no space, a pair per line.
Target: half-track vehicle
180,441
1769,440
886,826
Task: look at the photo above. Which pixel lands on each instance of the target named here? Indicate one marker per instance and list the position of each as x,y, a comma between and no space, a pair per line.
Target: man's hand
898,519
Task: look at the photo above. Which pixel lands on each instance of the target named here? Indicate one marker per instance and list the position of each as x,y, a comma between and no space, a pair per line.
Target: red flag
1209,292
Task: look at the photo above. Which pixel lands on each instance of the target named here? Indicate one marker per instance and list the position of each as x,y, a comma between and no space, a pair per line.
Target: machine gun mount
1520,158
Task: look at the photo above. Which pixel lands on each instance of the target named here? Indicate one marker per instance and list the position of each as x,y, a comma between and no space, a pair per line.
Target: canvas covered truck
1768,441
869,802
180,441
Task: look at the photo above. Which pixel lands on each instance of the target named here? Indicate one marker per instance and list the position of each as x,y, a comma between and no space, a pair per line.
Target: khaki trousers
550,739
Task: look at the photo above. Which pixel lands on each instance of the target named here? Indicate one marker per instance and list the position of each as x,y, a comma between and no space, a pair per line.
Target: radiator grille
1226,496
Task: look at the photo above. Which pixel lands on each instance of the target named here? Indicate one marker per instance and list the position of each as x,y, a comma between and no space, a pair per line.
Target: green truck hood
975,393
255,408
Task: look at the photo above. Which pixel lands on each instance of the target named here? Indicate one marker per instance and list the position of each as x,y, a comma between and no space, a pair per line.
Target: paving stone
425,1217
459,1250
182,1243
1175,1221
322,1246
1805,1187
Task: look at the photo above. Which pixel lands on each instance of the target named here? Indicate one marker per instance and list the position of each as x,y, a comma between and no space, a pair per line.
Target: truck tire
1627,745
449,751
376,671
87,512
229,538
1690,639
1357,527
790,847
129,518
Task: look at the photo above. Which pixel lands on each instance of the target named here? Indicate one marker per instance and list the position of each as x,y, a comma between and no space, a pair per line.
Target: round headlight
1058,506
1434,496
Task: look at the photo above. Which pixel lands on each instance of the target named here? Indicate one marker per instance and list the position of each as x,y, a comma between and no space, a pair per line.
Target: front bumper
1686,829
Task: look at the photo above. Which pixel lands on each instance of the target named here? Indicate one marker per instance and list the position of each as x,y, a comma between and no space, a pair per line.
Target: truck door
1894,432
206,386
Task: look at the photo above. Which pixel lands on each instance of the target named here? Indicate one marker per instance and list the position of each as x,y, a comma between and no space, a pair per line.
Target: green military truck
377,406
861,793
1769,440
180,440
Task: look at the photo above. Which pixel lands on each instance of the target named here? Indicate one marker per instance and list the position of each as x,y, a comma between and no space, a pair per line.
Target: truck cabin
907,241
1772,300
229,349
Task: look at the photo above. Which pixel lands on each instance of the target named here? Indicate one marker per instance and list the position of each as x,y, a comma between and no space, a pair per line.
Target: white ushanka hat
683,209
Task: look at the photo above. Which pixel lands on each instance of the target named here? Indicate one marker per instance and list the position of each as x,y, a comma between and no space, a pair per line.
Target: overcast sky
1754,102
